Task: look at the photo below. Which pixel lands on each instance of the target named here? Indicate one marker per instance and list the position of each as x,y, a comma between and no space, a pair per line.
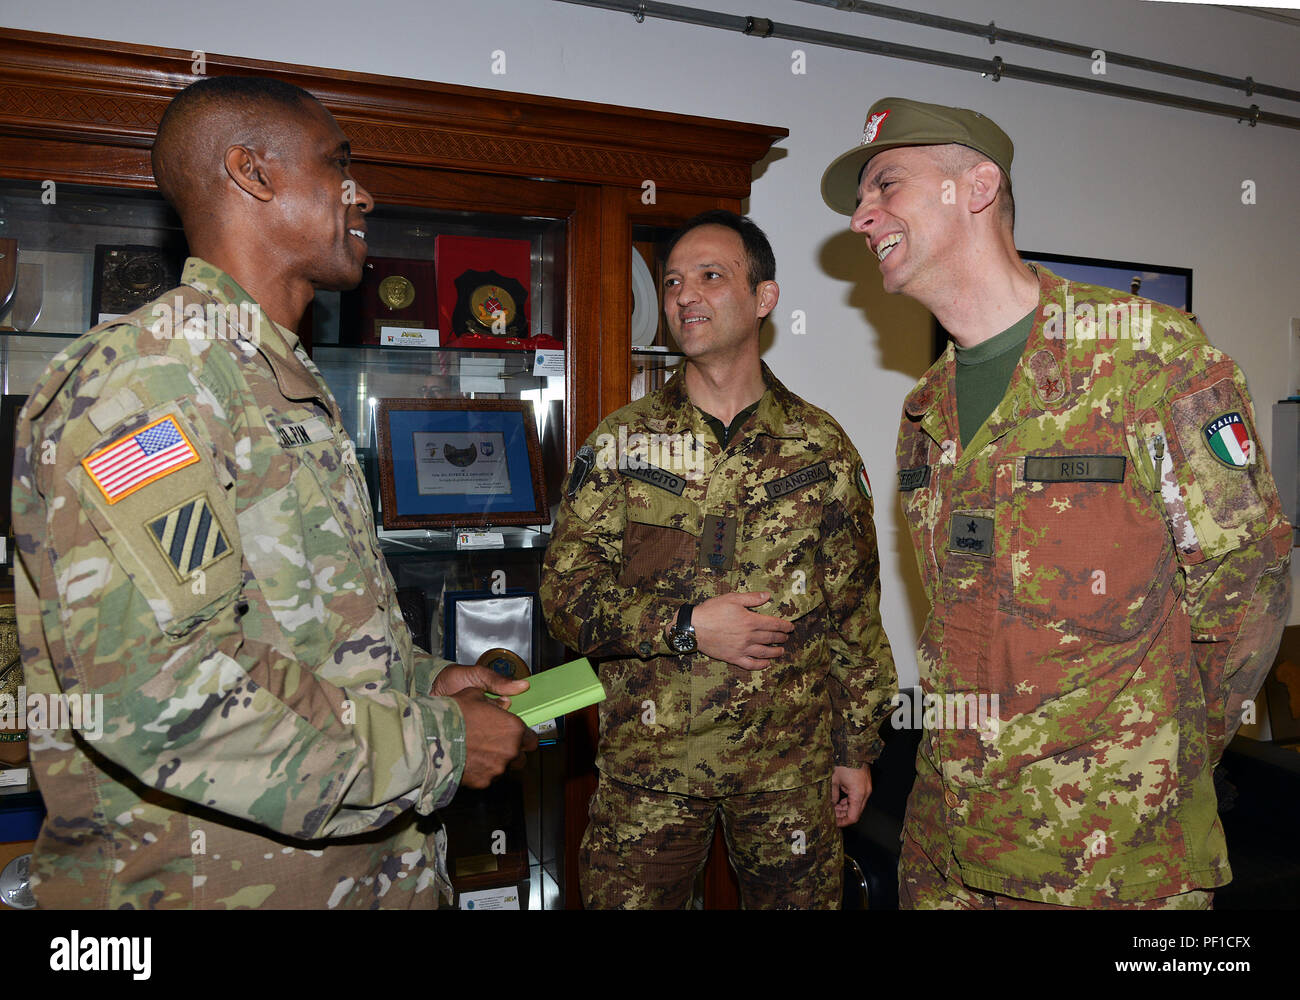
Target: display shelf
420,544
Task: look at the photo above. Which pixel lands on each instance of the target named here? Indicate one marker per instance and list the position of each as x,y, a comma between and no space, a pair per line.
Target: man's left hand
855,783
458,677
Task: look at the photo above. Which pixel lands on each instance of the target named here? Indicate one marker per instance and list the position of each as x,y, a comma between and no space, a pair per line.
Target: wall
1094,176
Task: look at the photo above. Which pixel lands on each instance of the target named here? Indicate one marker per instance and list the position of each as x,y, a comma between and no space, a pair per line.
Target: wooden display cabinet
78,116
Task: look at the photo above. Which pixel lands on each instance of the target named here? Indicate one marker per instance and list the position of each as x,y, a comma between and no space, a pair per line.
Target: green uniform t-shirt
984,372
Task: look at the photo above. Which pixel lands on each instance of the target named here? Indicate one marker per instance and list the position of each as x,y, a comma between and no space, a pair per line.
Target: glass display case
68,277
569,191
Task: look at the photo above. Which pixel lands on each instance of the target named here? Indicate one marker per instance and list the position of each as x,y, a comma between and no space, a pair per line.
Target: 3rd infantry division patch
189,537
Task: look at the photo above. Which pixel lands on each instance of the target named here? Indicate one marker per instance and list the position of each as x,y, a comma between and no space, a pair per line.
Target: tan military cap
896,121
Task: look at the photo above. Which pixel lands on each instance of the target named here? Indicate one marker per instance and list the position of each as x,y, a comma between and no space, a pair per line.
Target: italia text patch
1229,440
797,480
971,534
1074,468
140,458
913,479
655,476
189,537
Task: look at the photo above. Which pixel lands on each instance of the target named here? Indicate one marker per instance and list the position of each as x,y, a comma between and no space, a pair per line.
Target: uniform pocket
661,541
1093,556
655,555
309,578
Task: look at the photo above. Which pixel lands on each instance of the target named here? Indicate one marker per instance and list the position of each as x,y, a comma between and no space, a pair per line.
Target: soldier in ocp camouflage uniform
196,547
725,499
1099,537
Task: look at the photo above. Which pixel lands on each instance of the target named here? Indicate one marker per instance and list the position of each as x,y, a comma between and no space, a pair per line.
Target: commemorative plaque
489,310
127,277
394,293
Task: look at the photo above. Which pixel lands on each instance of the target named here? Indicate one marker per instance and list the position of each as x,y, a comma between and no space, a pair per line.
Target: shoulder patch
142,457
864,484
1229,440
189,537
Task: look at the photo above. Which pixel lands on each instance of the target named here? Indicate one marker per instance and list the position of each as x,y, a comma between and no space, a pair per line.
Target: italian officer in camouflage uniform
1098,534
196,548
715,549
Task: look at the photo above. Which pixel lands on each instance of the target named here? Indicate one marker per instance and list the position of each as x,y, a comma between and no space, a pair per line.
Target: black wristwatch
681,637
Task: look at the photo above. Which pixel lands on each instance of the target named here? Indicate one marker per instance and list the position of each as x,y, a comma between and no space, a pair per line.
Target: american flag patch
140,459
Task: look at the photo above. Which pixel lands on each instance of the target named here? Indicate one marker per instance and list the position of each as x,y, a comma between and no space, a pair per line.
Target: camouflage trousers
644,848
922,885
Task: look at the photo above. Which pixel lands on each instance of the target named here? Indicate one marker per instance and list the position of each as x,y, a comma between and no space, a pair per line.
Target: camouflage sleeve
427,668
203,696
862,677
1199,448
585,606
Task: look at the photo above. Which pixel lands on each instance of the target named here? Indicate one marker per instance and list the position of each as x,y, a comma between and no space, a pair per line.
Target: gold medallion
509,665
493,308
396,292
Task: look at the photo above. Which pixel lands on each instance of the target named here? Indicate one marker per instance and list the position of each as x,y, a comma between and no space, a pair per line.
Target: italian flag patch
1229,441
864,484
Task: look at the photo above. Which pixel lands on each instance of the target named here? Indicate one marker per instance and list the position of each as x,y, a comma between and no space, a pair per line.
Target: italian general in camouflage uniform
785,508
266,740
1108,556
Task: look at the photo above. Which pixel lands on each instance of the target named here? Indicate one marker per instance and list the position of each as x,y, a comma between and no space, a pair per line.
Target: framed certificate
451,463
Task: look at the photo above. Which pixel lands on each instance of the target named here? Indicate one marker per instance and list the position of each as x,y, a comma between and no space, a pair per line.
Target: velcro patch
971,534
1218,457
797,480
142,457
655,476
718,542
304,432
1074,468
189,537
913,479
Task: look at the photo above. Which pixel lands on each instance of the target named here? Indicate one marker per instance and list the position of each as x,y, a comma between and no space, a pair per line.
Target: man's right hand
726,629
494,738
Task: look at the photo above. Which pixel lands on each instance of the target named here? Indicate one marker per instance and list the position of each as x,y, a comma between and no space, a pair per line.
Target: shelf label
13,777
480,540
491,899
549,363
402,336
